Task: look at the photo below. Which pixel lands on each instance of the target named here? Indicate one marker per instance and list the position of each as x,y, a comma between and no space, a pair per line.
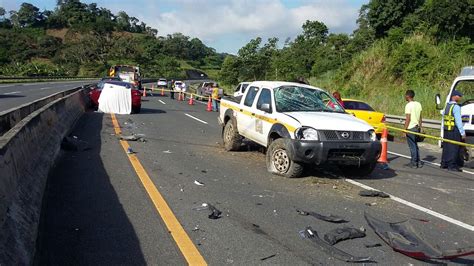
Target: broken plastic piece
268,257
402,238
331,218
134,137
215,213
373,245
168,151
198,183
130,151
344,233
373,193
331,250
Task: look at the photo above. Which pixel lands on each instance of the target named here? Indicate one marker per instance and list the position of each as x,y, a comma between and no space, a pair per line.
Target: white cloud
212,19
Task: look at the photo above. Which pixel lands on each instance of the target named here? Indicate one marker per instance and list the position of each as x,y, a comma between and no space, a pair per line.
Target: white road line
161,102
426,162
418,207
195,118
6,86
13,92
47,88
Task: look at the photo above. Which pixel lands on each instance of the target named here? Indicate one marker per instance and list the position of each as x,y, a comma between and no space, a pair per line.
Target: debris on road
130,151
168,152
134,137
331,218
373,193
74,144
343,233
402,238
268,257
199,183
373,245
215,213
331,250
371,203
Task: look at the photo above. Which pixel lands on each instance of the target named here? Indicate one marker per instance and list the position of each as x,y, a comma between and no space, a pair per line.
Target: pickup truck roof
276,84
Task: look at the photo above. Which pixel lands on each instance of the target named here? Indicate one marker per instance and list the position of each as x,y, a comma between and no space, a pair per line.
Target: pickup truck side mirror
266,108
438,101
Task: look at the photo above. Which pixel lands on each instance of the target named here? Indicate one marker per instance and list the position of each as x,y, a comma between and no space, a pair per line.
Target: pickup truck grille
345,153
345,135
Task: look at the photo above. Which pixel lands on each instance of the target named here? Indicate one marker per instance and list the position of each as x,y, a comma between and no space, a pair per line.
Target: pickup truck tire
232,139
280,163
356,171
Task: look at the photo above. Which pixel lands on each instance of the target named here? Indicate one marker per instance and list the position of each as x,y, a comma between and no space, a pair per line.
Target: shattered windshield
302,99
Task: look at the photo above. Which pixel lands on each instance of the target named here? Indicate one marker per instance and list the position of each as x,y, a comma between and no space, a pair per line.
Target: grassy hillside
382,73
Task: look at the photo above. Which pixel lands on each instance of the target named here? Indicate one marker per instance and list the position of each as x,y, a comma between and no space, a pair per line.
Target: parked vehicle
162,83
205,89
299,125
130,74
365,112
180,86
465,84
136,95
240,89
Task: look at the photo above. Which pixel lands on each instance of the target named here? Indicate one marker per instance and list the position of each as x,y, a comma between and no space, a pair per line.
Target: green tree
29,15
450,19
385,14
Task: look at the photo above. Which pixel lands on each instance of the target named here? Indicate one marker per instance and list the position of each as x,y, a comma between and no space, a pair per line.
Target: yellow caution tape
432,137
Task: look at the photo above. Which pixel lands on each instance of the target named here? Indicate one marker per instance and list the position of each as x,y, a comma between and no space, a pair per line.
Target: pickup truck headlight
307,133
373,136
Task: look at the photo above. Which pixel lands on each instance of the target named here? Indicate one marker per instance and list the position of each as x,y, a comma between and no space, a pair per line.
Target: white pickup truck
300,125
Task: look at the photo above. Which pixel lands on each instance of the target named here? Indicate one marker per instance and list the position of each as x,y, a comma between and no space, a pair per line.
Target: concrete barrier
27,152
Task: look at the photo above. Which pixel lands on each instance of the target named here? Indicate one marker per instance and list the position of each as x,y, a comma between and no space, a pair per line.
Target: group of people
214,93
451,158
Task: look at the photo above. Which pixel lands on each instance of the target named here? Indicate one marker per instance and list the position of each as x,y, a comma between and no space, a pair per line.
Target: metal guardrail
43,77
427,123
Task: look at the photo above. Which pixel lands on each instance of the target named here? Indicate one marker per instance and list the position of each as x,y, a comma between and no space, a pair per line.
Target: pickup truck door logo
259,126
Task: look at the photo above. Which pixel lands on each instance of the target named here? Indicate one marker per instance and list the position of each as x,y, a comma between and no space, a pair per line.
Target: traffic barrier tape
187,93
431,137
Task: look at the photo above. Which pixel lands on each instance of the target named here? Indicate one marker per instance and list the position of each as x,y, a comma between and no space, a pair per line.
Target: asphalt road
15,94
97,210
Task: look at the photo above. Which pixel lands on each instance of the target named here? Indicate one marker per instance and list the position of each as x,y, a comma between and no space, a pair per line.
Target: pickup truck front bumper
342,153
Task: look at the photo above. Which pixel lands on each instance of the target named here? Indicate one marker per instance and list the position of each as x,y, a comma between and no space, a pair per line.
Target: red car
95,91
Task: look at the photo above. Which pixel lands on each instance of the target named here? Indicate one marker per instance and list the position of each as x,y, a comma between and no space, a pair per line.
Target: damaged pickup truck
300,125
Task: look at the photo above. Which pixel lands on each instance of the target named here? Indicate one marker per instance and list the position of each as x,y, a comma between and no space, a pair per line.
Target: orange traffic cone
209,105
144,92
162,91
191,100
384,142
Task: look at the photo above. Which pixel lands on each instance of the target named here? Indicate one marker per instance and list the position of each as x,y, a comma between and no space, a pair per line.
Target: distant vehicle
365,112
465,84
300,126
205,89
95,92
240,89
179,86
130,74
162,82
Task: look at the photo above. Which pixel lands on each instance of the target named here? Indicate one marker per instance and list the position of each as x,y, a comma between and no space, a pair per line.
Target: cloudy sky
227,25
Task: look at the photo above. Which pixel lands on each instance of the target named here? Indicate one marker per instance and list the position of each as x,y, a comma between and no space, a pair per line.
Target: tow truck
465,84
299,125
127,73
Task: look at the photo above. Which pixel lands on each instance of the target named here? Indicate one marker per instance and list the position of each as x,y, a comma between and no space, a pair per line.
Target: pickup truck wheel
280,163
232,139
356,171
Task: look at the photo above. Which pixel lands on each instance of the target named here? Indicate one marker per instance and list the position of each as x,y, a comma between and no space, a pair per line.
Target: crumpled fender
403,238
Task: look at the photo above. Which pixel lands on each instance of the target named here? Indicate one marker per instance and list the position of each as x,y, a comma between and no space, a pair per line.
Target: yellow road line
187,247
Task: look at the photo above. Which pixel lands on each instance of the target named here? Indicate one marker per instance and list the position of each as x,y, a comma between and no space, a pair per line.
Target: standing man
171,87
453,130
215,98
413,123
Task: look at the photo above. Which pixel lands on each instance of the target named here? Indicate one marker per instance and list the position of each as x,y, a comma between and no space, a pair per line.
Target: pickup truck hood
330,121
